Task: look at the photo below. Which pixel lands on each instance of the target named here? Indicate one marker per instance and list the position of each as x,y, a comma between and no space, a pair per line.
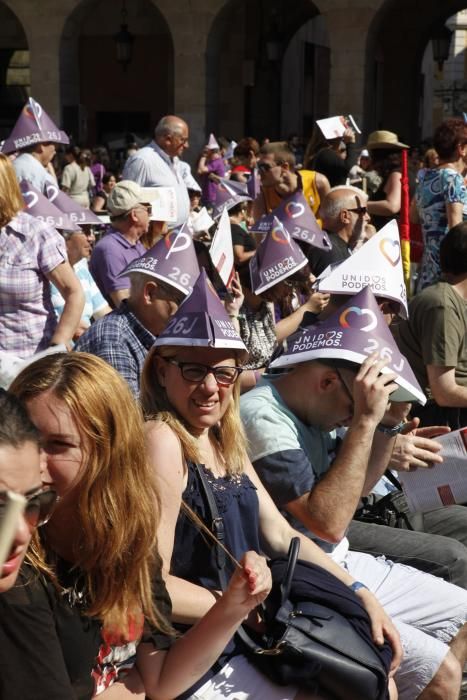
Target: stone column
190,29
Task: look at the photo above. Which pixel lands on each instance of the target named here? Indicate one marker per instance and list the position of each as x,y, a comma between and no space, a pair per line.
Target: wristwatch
391,432
356,585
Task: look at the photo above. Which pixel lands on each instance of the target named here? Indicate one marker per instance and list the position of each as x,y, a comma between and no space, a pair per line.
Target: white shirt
152,167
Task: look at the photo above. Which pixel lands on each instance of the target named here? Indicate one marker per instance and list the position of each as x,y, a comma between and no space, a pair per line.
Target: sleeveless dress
193,557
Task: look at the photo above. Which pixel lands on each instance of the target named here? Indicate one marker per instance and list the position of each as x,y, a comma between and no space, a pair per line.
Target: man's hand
371,390
415,448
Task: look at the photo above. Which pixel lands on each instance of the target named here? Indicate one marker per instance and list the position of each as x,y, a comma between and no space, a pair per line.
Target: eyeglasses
39,506
197,373
148,207
346,388
361,211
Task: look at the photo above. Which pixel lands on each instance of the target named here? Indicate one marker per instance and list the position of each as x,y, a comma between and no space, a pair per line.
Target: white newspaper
444,484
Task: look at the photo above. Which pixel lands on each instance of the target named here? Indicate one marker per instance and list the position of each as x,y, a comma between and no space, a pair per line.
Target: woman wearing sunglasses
92,617
190,393
19,474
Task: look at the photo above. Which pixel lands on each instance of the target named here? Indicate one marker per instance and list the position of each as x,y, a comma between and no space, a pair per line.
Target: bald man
346,219
158,164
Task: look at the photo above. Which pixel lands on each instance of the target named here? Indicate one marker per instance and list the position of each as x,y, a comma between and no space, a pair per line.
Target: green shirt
435,333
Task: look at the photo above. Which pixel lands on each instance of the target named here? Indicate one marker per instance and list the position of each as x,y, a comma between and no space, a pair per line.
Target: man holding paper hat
290,421
130,210
158,163
377,264
158,280
34,137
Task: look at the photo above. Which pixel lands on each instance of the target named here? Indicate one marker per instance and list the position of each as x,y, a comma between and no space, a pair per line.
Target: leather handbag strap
294,549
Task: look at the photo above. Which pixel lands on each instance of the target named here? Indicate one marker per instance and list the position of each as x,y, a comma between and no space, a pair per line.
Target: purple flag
228,195
276,258
201,320
33,126
76,212
355,331
298,219
172,260
41,208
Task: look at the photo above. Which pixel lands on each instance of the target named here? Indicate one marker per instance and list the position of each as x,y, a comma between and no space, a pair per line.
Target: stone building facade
235,67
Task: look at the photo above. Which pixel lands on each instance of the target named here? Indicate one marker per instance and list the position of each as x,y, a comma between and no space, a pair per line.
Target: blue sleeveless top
193,556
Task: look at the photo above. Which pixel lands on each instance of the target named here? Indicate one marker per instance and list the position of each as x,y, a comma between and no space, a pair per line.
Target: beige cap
384,139
126,195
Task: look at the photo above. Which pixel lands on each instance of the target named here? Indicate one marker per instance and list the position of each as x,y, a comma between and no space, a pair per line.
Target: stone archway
101,102
245,51
15,79
397,38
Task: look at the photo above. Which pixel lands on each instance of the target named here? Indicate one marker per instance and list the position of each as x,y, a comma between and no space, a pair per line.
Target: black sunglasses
38,509
361,211
196,373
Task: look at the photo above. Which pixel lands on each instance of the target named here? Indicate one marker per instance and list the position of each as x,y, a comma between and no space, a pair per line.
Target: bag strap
217,524
294,549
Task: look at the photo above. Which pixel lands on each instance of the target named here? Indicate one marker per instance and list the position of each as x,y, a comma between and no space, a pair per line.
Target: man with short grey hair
345,218
158,164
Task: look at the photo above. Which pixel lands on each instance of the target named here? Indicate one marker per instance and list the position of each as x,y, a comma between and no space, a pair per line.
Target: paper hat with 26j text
277,257
171,260
201,321
354,332
377,264
228,194
40,207
33,126
298,219
77,213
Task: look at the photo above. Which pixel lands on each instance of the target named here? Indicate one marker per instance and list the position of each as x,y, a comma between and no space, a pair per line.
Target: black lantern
441,42
124,41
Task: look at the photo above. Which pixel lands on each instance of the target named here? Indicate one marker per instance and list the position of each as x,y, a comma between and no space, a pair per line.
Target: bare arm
322,185
130,687
444,388
392,204
241,255
64,278
315,303
118,296
98,203
454,212
323,510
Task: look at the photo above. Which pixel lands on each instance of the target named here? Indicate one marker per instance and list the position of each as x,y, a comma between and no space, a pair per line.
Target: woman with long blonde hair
190,396
93,611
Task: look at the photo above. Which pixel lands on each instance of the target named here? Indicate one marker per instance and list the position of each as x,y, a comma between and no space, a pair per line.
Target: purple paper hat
33,126
254,184
41,208
355,331
77,213
172,260
202,321
276,258
299,221
229,194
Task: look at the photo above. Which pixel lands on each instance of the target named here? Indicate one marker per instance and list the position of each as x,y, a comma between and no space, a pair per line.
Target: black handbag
317,632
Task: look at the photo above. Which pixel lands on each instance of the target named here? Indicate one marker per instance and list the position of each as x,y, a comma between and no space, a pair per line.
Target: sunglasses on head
38,509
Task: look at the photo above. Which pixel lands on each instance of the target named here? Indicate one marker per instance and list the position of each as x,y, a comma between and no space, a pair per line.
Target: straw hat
384,139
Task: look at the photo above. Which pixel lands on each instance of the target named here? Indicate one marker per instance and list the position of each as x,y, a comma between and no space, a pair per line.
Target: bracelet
233,315
391,432
357,585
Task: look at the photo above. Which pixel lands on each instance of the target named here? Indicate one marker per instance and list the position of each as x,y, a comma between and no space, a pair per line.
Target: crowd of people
239,334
